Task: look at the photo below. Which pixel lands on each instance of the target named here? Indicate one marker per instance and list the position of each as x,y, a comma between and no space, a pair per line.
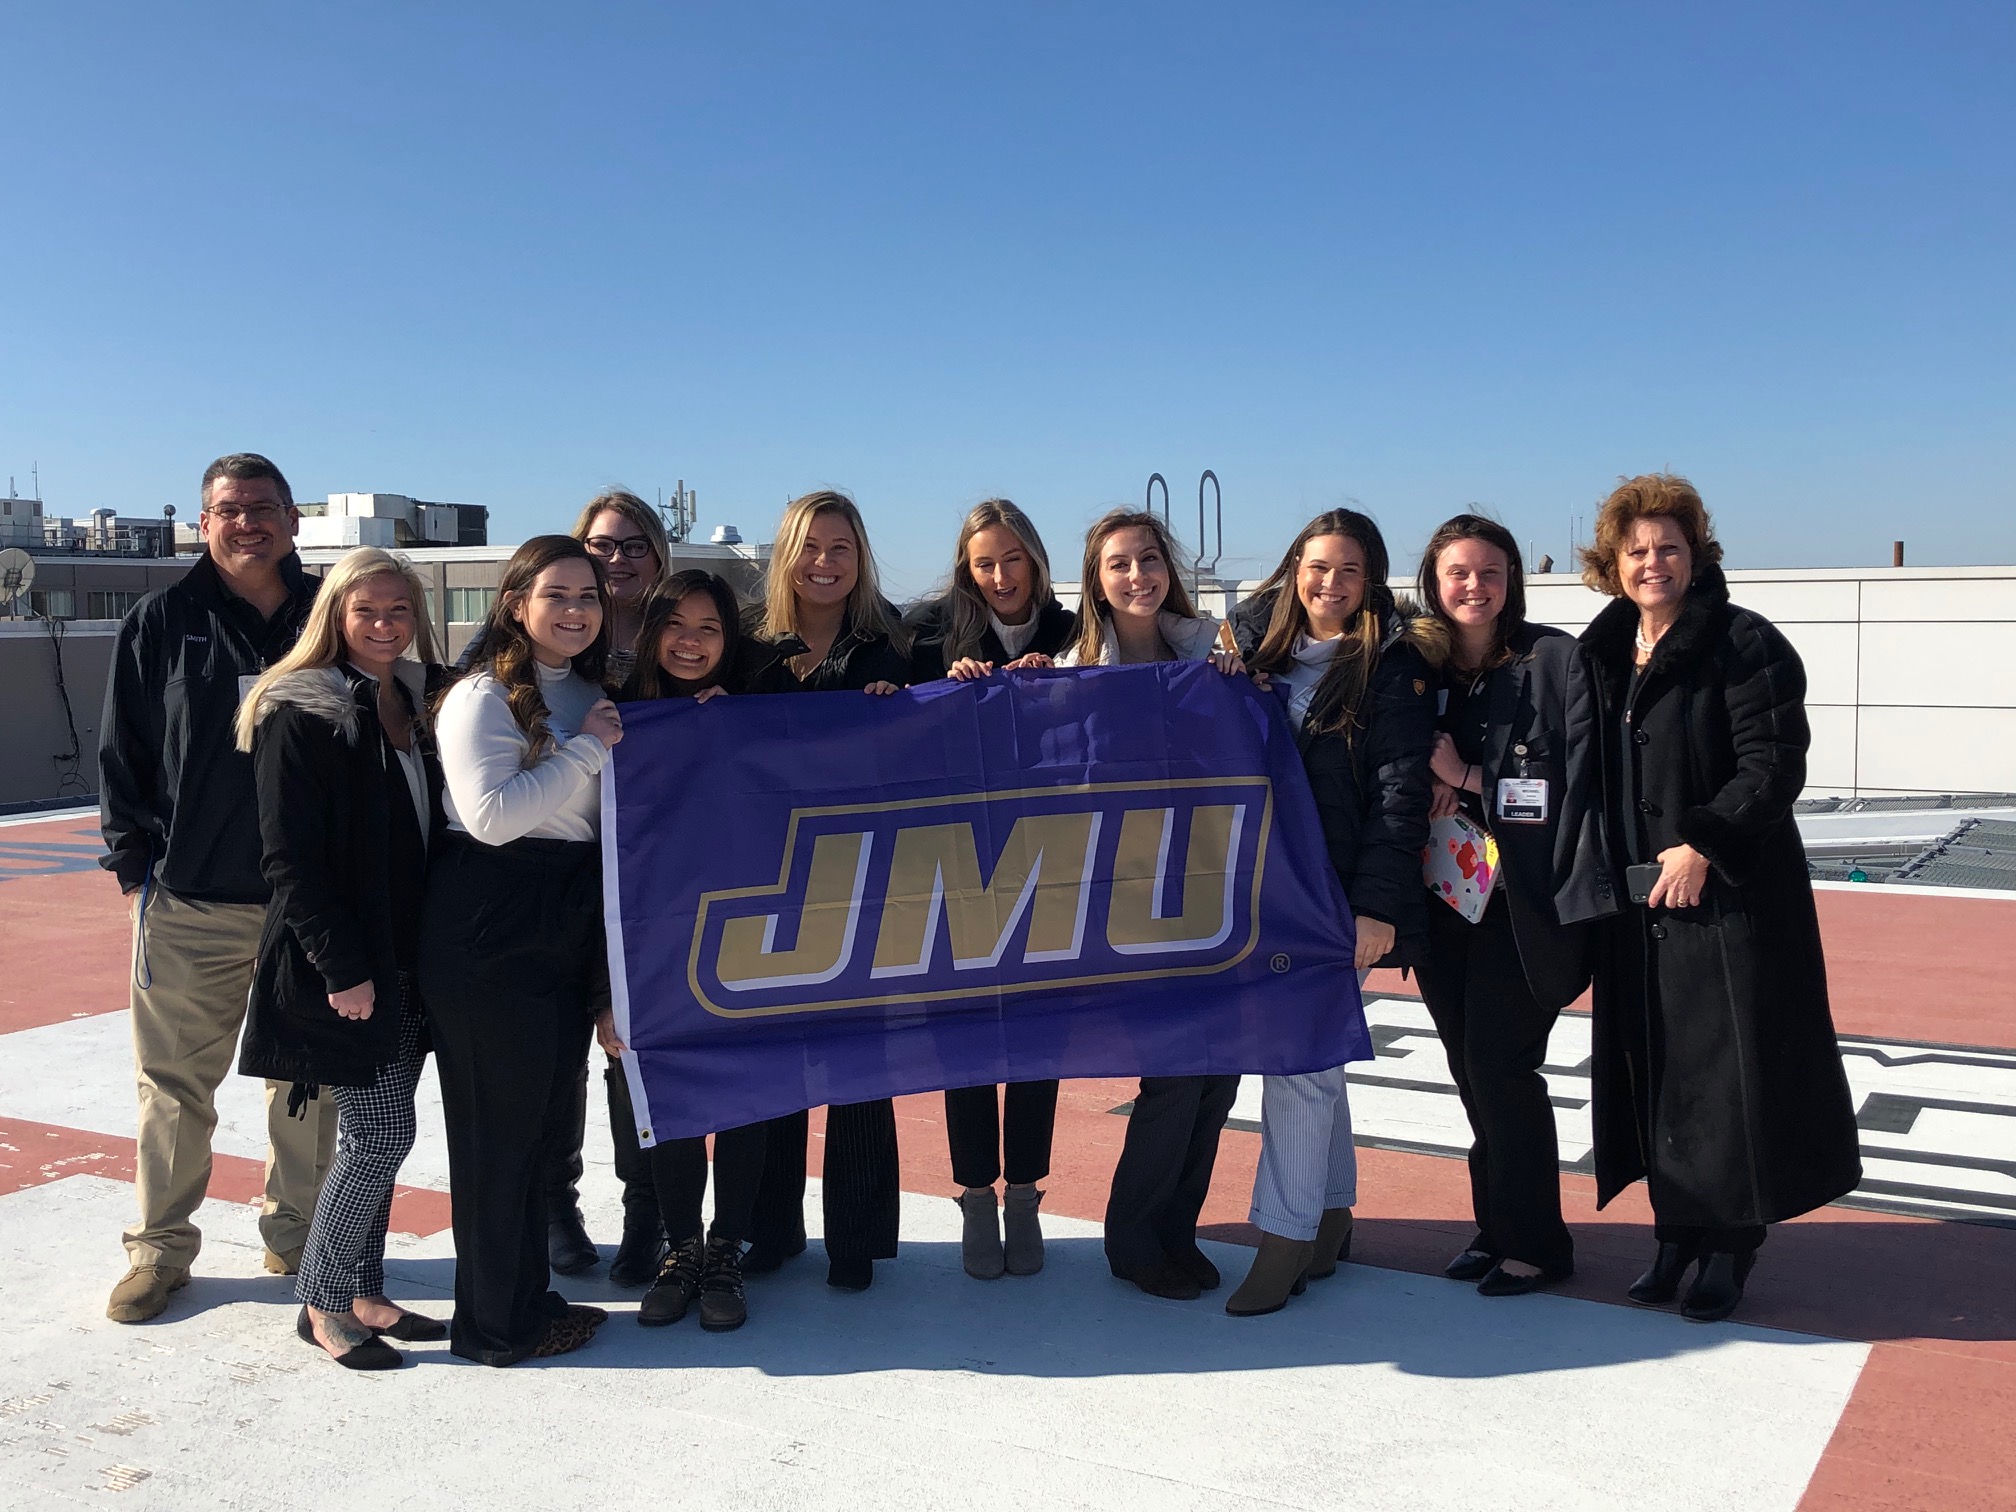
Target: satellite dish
17,575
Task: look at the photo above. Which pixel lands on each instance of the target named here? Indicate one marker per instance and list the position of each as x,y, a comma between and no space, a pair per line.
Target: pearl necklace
1644,646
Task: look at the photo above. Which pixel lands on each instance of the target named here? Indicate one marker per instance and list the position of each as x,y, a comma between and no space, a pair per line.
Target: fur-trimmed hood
331,693
1408,624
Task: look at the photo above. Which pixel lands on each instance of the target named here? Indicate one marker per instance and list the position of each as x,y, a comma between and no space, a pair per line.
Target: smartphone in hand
1640,880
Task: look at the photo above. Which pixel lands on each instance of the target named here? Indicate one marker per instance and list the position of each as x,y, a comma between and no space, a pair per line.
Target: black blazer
931,623
345,860
1539,717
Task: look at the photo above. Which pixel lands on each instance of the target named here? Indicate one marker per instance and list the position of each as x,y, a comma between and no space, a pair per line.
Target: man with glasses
181,827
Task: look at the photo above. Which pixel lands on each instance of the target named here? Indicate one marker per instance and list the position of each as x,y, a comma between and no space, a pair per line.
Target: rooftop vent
727,535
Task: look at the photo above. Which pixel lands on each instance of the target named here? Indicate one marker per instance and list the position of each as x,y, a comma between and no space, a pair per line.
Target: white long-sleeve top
491,793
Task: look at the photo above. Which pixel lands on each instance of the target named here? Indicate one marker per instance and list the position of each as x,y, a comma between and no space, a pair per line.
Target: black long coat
1717,1075
345,859
1540,722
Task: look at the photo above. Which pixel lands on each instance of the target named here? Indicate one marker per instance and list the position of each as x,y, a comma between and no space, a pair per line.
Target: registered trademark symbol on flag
1279,963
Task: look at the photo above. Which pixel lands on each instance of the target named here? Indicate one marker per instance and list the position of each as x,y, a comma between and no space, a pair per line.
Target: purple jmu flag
828,898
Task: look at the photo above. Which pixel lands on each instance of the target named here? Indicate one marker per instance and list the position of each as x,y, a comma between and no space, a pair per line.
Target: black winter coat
174,791
1538,713
852,662
348,869
1372,791
1717,1075
931,623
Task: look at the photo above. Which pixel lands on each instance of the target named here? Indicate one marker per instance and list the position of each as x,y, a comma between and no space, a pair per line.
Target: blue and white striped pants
1307,1160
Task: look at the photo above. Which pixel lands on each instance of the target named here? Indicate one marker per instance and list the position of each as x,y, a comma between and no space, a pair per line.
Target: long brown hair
1337,706
868,613
1093,610
1476,527
966,617
505,650
647,678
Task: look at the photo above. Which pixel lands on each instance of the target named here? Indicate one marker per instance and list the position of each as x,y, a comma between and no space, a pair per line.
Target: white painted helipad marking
1378,1390
1938,1122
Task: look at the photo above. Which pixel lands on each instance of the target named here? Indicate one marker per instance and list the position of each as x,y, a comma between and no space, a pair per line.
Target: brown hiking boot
143,1292
287,1263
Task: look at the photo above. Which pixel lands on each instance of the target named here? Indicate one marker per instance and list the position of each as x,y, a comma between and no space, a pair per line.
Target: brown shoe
283,1263
562,1336
143,1292
1280,1271
1333,1243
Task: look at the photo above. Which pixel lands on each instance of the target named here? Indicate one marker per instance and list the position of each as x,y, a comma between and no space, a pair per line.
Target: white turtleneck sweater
491,793
1014,638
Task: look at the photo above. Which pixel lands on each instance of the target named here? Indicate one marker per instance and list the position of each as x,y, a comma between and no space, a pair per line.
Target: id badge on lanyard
1521,800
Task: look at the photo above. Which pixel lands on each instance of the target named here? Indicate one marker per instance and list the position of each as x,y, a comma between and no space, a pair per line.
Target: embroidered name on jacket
975,895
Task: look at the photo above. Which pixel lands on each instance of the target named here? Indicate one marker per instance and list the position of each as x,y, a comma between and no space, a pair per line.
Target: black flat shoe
1502,1283
414,1328
569,1250
850,1275
1718,1287
1661,1284
373,1354
1471,1265
1195,1264
1163,1279
764,1257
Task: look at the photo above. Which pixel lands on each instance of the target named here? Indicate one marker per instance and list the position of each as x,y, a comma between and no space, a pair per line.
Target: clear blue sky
1415,256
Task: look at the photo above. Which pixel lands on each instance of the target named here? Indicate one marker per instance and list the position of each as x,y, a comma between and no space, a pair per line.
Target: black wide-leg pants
1164,1173
1012,1138
860,1186
512,967
1495,1034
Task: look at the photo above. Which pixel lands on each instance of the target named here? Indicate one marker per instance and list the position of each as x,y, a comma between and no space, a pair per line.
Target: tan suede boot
1280,1271
143,1292
1333,1243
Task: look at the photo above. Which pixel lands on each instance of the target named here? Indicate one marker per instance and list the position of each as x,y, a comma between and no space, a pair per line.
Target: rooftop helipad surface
1873,1364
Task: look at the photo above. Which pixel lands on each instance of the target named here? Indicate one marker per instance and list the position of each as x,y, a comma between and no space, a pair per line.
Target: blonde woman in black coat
349,799
1717,1075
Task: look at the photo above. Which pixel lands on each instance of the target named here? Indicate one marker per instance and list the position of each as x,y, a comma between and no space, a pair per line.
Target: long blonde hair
868,613
1093,610
965,610
321,641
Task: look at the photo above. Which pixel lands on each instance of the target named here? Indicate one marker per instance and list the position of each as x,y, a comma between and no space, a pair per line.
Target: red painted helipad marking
32,1154
1927,1427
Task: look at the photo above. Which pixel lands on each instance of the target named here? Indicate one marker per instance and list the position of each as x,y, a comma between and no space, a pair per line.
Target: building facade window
470,606
100,605
53,603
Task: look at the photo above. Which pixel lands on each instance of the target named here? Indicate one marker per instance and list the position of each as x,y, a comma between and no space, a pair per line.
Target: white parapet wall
1910,671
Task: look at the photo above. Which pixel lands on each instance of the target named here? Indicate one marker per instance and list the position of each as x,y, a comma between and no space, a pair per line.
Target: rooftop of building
1873,1364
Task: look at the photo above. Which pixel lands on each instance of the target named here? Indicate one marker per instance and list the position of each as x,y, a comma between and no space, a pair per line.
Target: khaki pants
197,961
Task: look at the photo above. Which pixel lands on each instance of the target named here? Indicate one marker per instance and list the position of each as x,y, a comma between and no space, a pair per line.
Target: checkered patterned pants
375,1125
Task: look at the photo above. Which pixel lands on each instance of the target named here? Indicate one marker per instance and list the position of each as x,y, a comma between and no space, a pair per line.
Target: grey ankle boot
980,1242
1024,1249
